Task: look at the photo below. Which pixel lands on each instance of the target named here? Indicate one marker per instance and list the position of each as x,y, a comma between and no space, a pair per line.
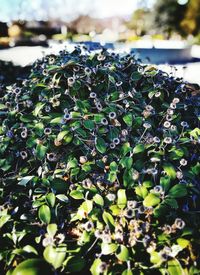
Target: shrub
100,168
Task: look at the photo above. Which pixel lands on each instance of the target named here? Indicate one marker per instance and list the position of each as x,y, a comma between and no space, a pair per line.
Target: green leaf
40,151
30,249
176,153
74,171
63,198
170,171
171,202
101,145
95,268
141,191
2,106
87,206
139,148
121,198
108,219
161,210
32,266
39,128
56,120
128,177
4,219
113,166
183,242
77,195
127,272
38,108
89,124
125,149
75,264
72,163
135,76
55,255
107,249
195,133
61,135
174,267
68,138
52,229
98,200
151,200
156,258
44,214
25,180
178,191
126,162
112,176
27,118
165,182
124,254
128,119
137,122
51,199
59,185
31,142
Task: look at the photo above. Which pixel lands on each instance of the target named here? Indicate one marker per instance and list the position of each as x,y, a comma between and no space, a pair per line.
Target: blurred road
26,55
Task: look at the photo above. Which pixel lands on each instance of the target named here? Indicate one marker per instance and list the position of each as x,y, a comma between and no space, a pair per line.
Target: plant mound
99,161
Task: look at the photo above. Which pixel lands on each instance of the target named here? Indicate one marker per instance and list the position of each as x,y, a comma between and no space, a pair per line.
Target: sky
66,9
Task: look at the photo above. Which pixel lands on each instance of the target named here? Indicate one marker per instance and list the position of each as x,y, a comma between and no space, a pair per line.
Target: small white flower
112,115
101,57
167,140
147,125
184,124
116,141
179,223
158,189
129,213
111,197
169,118
157,94
149,108
23,154
167,124
131,204
183,162
112,145
156,140
47,241
47,131
170,112
66,111
176,100
24,134
70,81
93,95
102,267
119,83
124,132
104,121
173,127
179,175
154,159
89,226
173,106
83,159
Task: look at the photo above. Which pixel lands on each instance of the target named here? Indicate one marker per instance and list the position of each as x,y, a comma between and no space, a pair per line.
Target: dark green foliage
99,160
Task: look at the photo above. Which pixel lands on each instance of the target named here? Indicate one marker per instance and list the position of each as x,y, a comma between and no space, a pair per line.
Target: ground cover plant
10,73
99,161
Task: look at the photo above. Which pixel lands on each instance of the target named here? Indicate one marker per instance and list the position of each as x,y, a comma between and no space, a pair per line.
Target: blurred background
162,32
